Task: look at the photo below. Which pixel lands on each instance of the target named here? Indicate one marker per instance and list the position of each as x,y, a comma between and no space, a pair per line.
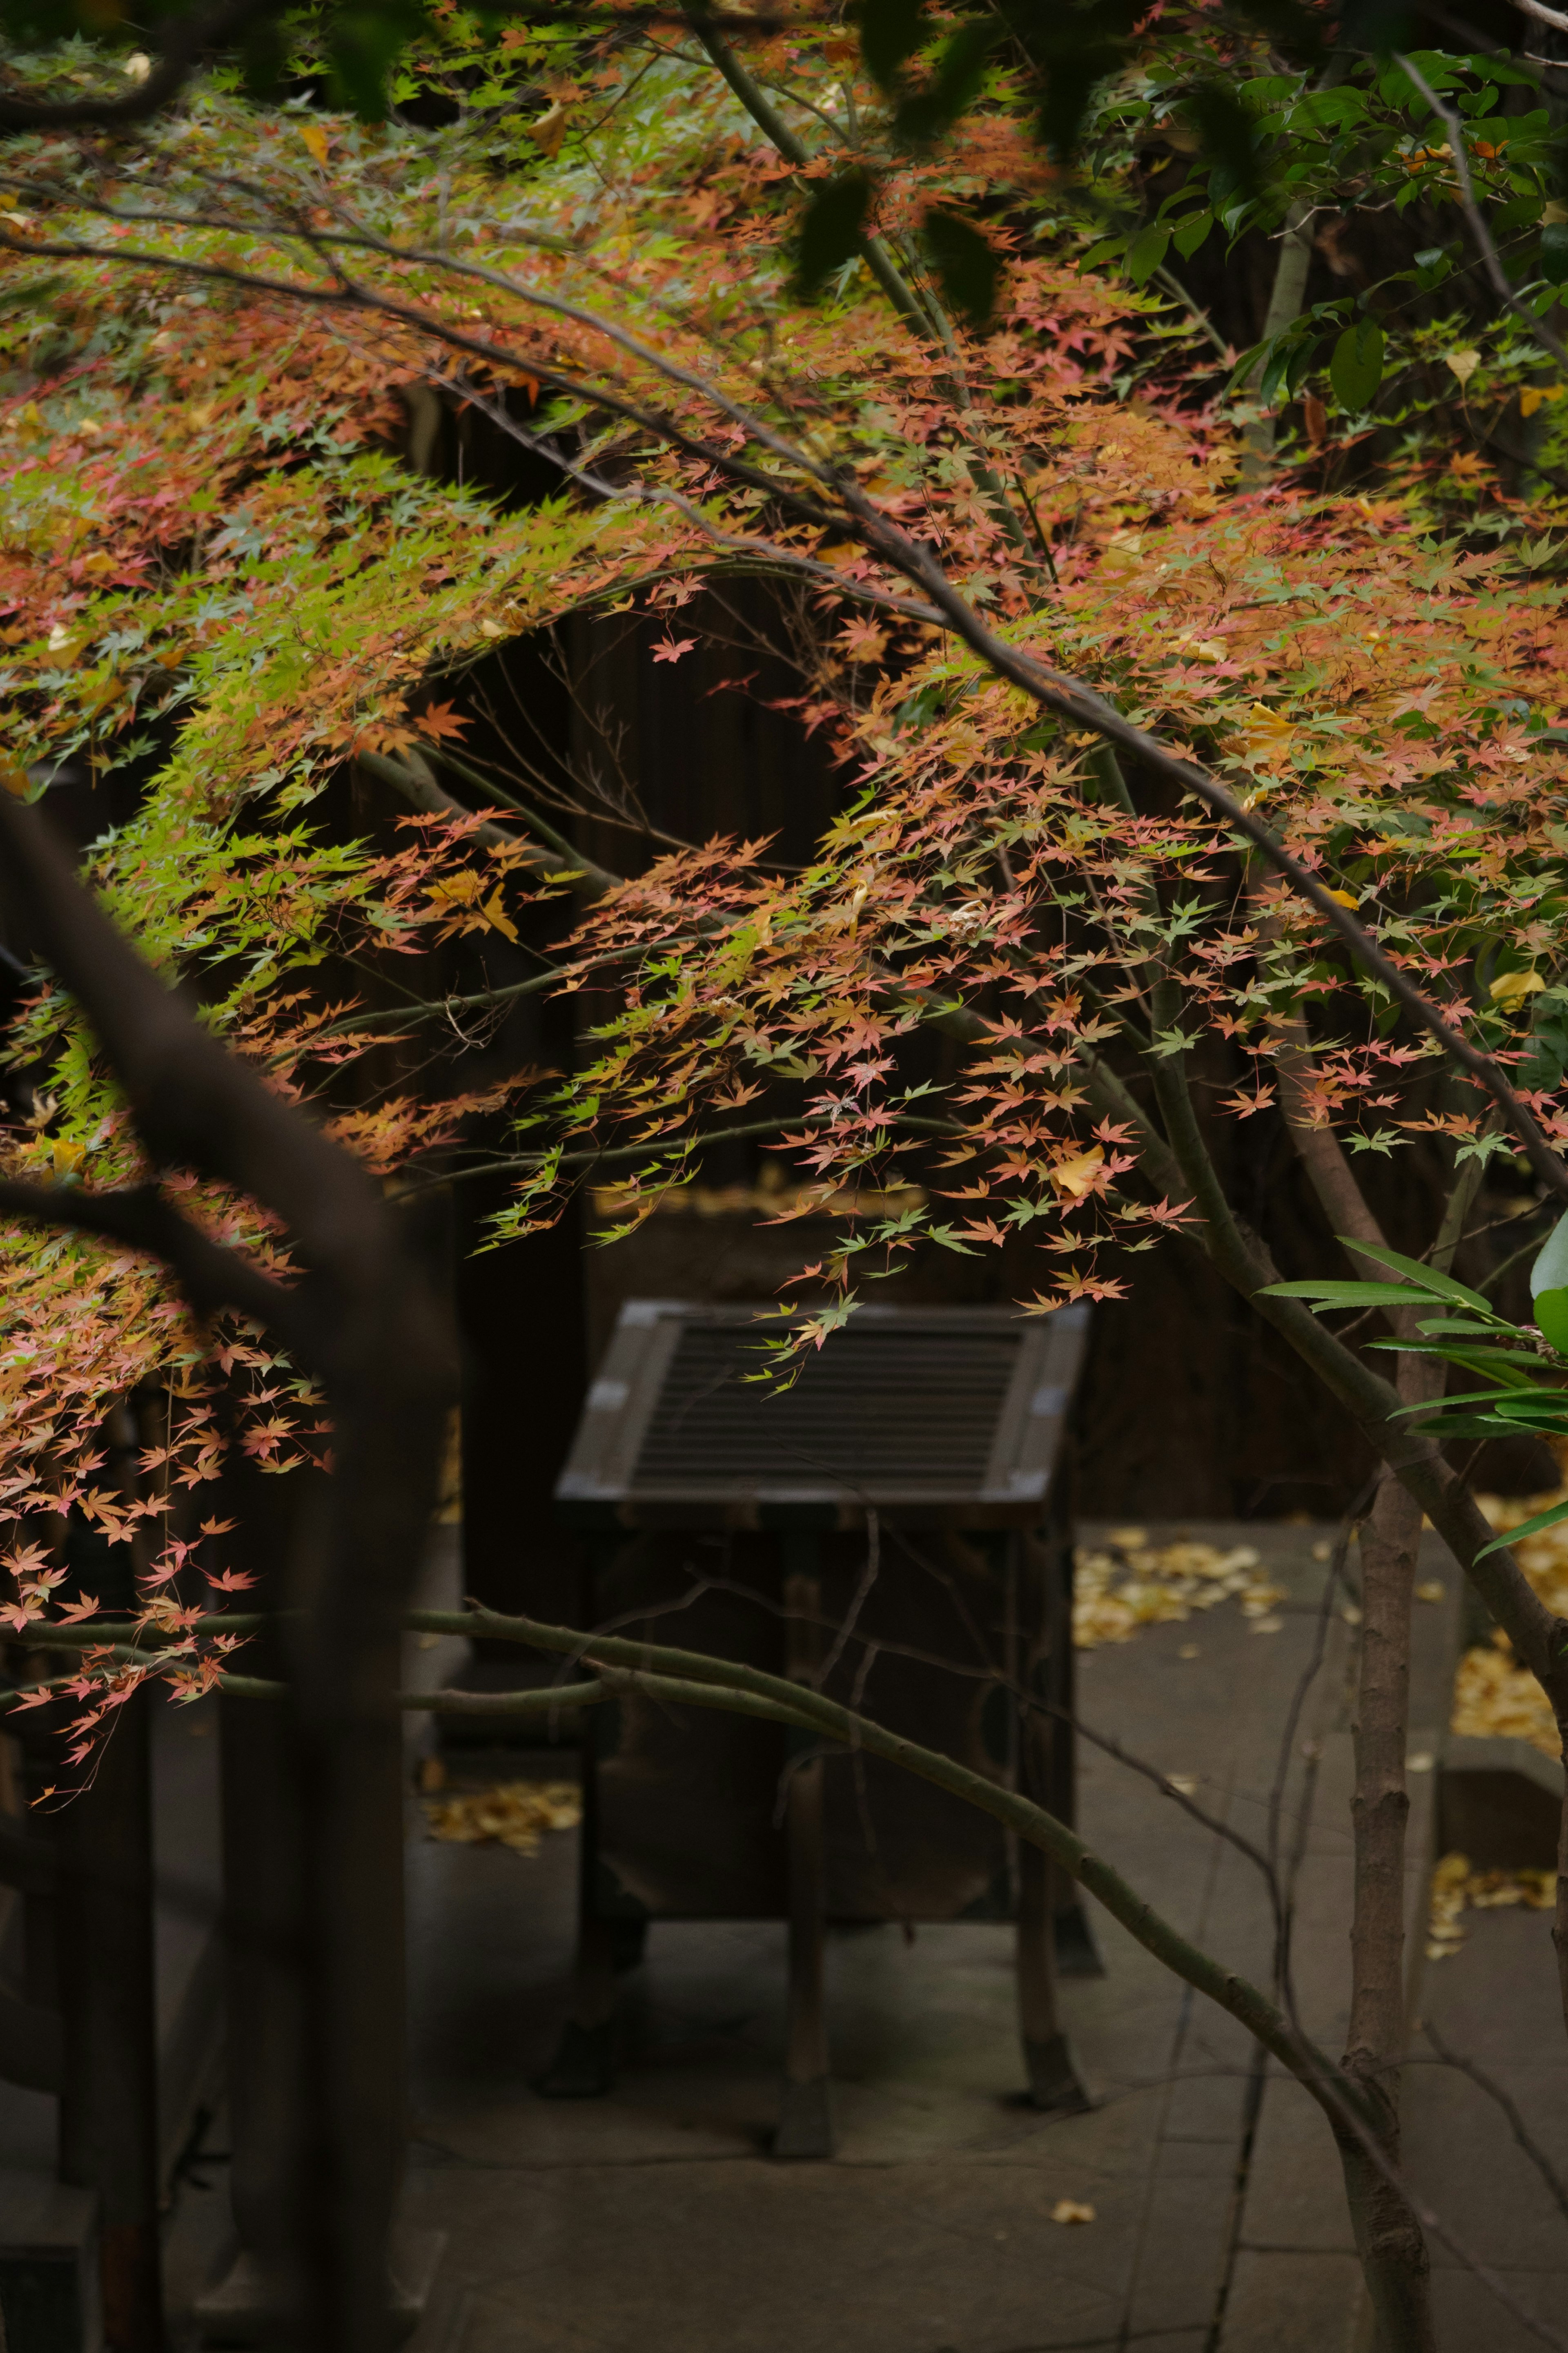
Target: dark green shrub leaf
832,227
1355,370
968,267
1147,251
1190,234
960,72
891,33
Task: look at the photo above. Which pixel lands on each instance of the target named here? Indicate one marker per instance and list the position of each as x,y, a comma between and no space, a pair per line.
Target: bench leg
805,2121
1052,2079
582,2064
1046,1773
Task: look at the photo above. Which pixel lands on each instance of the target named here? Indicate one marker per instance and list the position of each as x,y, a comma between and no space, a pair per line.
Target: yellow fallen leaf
513,1814
1345,899
1268,734
1457,1888
549,129
1511,988
1462,364
1534,395
1075,1177
1071,2209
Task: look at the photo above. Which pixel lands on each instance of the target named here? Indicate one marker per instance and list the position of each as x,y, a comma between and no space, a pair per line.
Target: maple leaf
439,720
670,650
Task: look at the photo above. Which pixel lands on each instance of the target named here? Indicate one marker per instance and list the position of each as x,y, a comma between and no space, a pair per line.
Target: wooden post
108,2098
1077,1954
805,2122
582,2063
1048,2062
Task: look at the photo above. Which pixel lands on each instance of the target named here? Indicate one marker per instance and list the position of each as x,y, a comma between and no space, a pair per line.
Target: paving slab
654,2220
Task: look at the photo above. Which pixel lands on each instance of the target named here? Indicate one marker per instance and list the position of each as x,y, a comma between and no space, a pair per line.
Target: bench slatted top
950,1416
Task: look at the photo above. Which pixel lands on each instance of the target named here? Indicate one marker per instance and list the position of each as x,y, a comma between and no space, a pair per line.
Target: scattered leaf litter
1127,1582
513,1814
1495,1697
1457,1889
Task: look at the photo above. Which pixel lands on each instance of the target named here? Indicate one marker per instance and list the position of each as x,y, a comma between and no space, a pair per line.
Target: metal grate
879,1405
948,1415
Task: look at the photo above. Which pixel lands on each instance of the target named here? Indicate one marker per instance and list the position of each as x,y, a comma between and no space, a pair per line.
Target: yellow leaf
460,890
1071,2209
1267,735
315,139
1511,988
1345,899
497,917
549,129
1462,364
1075,1177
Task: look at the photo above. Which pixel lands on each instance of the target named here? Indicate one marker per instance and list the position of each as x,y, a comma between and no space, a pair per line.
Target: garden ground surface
654,2220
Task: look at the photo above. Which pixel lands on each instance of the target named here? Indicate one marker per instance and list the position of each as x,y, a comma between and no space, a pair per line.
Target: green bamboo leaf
1343,1294
1551,1519
1427,1277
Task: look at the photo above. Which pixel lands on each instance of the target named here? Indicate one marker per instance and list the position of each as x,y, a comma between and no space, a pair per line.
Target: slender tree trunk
1388,2236
1559,1915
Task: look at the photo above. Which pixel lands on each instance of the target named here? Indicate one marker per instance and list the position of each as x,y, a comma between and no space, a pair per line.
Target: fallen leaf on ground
1070,2210
513,1813
1130,1583
1455,1889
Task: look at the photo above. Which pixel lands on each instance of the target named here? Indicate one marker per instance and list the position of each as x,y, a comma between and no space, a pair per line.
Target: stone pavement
654,2221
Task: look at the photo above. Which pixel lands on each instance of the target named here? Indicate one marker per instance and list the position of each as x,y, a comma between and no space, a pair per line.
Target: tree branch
211,1275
